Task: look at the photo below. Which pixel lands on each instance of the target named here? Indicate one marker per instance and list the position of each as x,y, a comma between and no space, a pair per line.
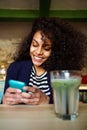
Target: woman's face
40,49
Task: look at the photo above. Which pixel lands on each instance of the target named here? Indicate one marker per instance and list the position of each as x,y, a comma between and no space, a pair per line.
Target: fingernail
18,90
30,92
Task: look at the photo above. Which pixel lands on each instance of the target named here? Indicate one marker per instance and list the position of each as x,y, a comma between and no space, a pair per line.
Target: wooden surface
40,117
83,87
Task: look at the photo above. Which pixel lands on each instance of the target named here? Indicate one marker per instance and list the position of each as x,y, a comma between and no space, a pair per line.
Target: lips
37,59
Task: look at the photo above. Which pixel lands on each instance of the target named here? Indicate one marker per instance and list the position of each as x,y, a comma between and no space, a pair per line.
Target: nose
39,50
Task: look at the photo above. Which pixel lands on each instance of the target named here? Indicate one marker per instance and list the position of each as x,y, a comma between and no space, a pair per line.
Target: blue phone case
17,84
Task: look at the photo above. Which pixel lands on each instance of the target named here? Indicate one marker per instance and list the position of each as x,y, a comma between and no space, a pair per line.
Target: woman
51,44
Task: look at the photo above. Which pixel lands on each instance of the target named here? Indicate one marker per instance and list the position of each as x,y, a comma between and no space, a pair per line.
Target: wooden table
40,117
83,87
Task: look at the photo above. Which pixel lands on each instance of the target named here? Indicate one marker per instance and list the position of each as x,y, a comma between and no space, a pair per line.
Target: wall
11,34
34,4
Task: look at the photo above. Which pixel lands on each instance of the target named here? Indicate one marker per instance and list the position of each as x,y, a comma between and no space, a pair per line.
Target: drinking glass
65,84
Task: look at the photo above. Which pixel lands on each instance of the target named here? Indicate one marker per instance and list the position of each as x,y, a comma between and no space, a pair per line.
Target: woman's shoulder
20,64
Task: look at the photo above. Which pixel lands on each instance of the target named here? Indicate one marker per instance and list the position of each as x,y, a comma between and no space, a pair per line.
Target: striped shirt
39,81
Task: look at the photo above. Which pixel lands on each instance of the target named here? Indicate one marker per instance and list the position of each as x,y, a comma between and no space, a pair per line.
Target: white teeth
38,58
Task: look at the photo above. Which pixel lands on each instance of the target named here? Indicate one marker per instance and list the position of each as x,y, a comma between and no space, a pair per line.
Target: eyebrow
44,42
35,40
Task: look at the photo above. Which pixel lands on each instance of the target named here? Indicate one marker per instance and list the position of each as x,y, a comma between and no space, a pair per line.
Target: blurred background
16,17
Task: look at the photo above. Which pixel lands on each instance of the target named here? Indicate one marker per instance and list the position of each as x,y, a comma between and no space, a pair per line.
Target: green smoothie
71,82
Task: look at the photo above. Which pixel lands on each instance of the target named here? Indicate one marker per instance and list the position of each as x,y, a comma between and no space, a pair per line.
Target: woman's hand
34,96
12,96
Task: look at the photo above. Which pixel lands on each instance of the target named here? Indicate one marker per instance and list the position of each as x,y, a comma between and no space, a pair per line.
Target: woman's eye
34,44
48,49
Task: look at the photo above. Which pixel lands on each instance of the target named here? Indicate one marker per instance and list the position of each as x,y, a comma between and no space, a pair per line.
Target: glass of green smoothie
65,84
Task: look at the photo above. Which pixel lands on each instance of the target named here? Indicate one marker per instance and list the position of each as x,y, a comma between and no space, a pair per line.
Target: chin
37,64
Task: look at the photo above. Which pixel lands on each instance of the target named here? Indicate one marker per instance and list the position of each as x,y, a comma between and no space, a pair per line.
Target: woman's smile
37,59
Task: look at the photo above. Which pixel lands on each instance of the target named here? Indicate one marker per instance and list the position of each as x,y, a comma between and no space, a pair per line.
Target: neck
39,70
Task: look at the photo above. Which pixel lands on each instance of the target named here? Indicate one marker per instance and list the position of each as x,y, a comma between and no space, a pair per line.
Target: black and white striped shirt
39,81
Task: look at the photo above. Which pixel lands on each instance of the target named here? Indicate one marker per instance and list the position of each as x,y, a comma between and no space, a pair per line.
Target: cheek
47,54
31,49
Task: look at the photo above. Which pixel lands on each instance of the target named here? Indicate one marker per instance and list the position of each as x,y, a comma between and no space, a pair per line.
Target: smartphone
17,84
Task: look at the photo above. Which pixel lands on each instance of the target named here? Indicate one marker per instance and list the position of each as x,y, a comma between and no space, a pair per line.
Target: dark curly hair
69,47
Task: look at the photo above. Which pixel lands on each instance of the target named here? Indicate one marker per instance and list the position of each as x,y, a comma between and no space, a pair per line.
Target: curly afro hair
69,47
